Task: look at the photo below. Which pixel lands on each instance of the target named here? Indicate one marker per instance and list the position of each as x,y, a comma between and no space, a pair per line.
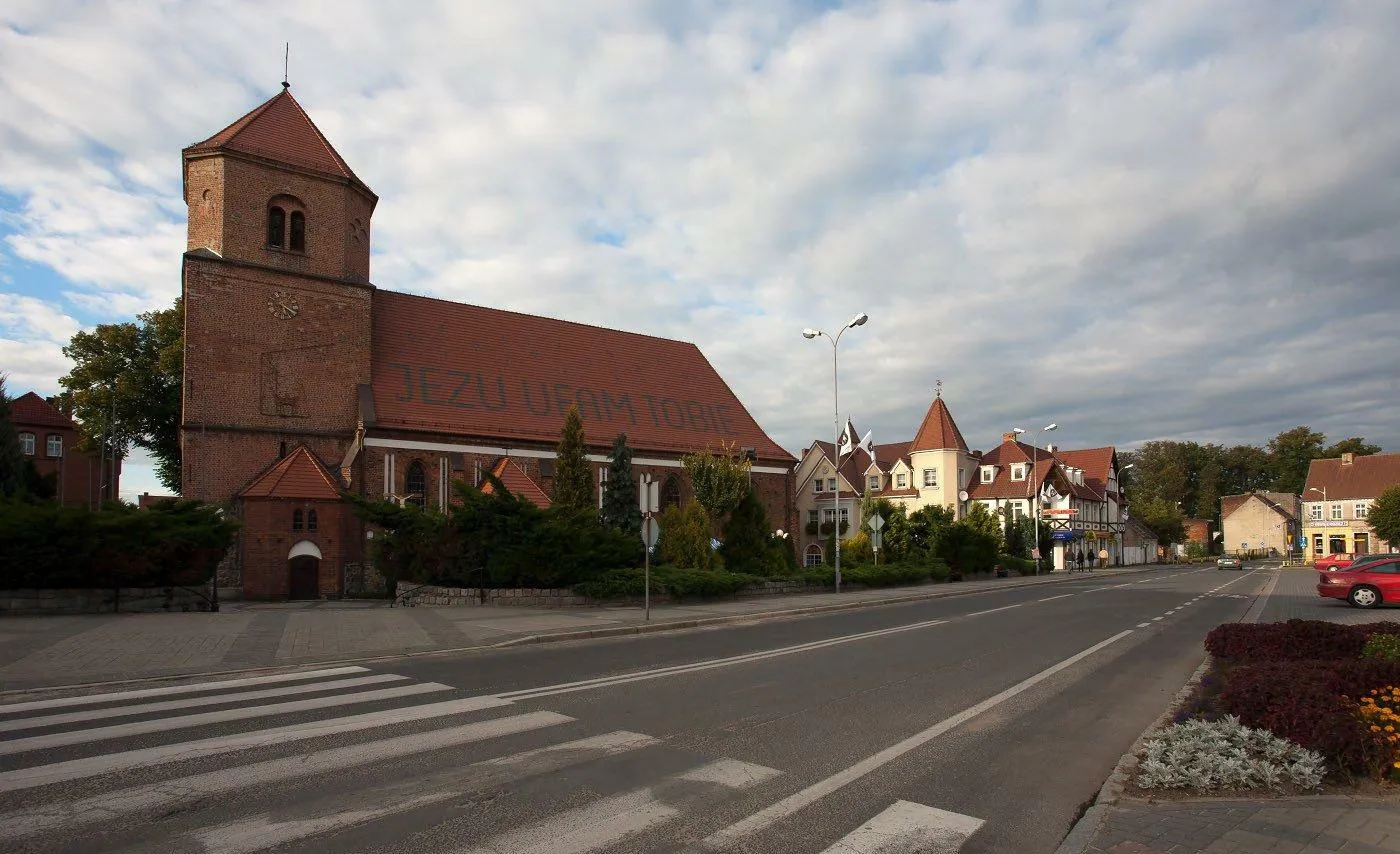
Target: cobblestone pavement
42,651
1295,825
1236,826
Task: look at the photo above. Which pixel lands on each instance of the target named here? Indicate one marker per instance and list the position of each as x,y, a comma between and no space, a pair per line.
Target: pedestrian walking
1079,559
1103,558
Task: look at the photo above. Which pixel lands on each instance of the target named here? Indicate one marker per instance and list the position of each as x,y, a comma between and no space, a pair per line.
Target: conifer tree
573,483
620,507
746,536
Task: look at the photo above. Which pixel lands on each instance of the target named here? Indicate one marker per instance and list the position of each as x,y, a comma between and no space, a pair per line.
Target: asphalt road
978,723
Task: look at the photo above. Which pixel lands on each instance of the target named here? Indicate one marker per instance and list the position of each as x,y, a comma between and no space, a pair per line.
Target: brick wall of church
268,538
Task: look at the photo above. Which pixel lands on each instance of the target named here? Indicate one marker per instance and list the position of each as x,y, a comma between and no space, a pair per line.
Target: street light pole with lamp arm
1122,512
858,320
1034,487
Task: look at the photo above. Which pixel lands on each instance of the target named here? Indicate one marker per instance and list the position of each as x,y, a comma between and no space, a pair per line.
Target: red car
1332,562
1366,586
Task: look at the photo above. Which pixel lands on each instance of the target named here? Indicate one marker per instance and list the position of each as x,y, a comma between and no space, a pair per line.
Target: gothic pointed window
415,484
311,520
297,519
276,225
297,233
670,492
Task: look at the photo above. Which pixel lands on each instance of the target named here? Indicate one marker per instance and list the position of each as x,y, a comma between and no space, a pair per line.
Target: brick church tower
277,303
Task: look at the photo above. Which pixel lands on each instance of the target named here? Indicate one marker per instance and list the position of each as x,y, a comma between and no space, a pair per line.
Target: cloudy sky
1141,220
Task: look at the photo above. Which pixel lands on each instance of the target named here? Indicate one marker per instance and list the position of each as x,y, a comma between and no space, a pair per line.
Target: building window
845,515
298,519
26,444
874,482
811,517
988,473
1361,509
813,555
1018,471
670,492
1336,511
1315,512
1337,544
931,477
831,484
311,520
276,225
901,480
54,445
818,484
415,483
1317,544
828,515
297,236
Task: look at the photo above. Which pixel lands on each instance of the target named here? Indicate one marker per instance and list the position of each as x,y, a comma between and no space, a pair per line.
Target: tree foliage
1384,516
1355,445
573,483
1291,452
748,538
125,387
12,461
621,510
685,537
1163,518
719,479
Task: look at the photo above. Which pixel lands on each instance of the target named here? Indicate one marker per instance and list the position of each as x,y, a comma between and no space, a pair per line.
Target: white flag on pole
843,445
867,443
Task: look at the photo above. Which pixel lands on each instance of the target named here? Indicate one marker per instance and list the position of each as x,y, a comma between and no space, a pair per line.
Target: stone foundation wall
362,579
101,601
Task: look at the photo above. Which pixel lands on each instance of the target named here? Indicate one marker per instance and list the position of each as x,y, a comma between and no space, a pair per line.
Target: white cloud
1137,219
32,335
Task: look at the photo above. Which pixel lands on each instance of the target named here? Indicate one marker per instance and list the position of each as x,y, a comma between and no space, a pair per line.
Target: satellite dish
962,495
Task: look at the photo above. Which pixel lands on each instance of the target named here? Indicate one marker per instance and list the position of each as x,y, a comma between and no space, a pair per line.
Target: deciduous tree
1384,516
719,479
125,387
1291,451
1355,445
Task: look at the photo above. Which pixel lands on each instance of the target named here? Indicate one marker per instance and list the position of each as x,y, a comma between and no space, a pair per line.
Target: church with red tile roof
303,381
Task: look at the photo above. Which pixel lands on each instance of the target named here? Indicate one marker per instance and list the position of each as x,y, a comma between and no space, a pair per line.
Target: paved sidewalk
1124,825
37,652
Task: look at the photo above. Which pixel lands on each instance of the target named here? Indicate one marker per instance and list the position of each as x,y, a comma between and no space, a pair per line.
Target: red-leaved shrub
1295,640
1302,701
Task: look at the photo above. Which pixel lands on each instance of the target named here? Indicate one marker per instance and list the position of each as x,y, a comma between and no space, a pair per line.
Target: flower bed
1330,689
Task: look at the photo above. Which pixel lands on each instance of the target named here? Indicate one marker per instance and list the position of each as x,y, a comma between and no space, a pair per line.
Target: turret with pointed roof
938,432
270,189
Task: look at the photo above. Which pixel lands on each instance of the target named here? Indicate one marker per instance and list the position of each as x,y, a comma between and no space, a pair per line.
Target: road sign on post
649,500
876,524
651,531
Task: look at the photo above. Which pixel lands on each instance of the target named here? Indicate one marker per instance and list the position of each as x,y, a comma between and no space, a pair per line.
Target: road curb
587,634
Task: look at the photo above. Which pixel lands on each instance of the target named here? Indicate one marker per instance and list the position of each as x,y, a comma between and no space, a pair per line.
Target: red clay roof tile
938,431
498,375
520,484
279,129
1366,477
297,475
31,409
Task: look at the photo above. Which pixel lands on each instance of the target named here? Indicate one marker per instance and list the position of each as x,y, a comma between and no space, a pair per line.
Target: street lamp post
858,320
1123,514
1033,486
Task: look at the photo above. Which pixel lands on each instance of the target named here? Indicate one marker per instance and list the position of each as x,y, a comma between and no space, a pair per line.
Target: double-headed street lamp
1122,512
858,320
1034,486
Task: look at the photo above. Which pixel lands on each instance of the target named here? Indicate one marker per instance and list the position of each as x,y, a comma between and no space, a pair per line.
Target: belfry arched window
297,232
276,226
311,520
415,484
297,519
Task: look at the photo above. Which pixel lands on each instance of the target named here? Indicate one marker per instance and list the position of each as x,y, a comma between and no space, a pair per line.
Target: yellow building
1338,498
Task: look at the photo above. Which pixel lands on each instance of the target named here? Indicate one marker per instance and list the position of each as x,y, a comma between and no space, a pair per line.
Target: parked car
1373,557
1229,562
1332,563
1367,586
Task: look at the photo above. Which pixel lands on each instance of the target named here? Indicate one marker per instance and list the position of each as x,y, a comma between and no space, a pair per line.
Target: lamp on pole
1123,530
1033,485
858,320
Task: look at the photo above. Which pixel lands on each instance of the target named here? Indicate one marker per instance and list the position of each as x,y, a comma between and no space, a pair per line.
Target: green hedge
1016,564
677,581
47,545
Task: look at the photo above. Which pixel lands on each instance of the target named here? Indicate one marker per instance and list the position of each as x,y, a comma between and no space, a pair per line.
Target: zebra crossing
287,762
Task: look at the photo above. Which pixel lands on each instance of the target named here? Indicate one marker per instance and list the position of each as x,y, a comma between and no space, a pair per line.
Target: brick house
303,379
48,437
1337,499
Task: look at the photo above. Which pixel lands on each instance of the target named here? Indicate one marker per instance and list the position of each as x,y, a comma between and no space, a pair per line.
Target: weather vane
938,388
286,64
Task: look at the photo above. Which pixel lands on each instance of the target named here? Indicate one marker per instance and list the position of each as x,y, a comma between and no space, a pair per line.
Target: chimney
1008,437
1347,458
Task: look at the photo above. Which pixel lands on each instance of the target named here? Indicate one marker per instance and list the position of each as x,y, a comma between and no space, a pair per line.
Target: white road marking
994,610
191,702
613,819
607,681
1051,599
909,828
764,819
224,685
1155,619
174,794
262,832
84,736
74,769
1143,625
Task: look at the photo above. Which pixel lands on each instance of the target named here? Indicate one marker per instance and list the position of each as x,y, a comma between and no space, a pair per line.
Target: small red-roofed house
48,438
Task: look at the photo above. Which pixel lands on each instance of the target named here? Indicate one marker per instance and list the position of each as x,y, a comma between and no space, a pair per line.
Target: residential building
1259,522
1139,543
48,438
304,381
1337,499
1198,531
1079,495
